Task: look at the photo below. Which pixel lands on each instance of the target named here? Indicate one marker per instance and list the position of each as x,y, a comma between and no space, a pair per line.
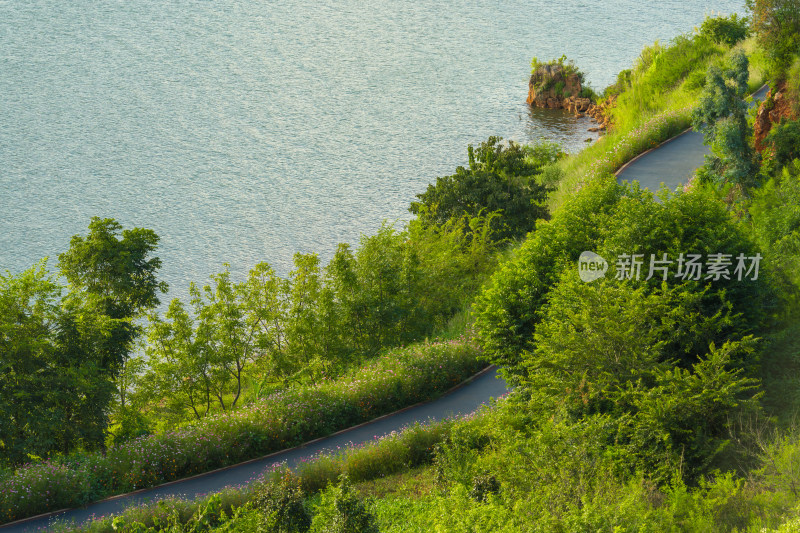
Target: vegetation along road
461,401
674,161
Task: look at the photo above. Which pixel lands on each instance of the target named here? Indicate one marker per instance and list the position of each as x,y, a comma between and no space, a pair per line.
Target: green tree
499,178
721,115
377,288
61,357
777,25
225,335
267,308
179,369
725,30
30,418
112,282
117,272
304,329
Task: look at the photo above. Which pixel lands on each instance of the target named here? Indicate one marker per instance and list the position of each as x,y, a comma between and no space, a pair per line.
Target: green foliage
587,92
454,458
776,227
576,346
722,118
285,419
567,66
499,178
483,485
601,217
622,83
396,287
61,356
776,24
342,511
117,272
507,309
680,421
725,30
783,145
196,361
30,419
281,505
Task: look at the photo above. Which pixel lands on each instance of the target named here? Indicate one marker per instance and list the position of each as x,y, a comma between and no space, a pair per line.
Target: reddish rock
772,110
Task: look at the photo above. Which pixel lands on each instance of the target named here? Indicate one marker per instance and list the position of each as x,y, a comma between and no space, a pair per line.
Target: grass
414,483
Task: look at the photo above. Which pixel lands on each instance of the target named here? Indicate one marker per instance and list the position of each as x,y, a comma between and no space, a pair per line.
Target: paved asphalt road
459,402
674,161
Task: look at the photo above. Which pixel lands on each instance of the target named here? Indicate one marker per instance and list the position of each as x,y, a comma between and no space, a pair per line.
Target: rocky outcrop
775,107
553,86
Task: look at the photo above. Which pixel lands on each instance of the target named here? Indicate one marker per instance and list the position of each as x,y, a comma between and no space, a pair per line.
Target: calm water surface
244,131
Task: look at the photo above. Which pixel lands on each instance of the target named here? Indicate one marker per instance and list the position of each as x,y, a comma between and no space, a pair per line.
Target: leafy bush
783,145
725,30
342,511
776,227
612,219
507,310
483,485
281,505
499,178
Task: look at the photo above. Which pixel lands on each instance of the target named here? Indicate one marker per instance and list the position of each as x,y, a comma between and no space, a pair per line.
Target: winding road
463,400
674,161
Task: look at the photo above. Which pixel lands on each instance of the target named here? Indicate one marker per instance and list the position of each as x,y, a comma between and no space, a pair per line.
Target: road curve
672,162
461,401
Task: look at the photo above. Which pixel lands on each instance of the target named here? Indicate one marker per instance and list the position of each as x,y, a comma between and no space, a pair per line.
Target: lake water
243,131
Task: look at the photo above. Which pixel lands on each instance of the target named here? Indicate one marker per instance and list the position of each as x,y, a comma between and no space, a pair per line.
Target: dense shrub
499,178
615,220
783,145
342,511
776,24
507,309
281,505
776,227
725,30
